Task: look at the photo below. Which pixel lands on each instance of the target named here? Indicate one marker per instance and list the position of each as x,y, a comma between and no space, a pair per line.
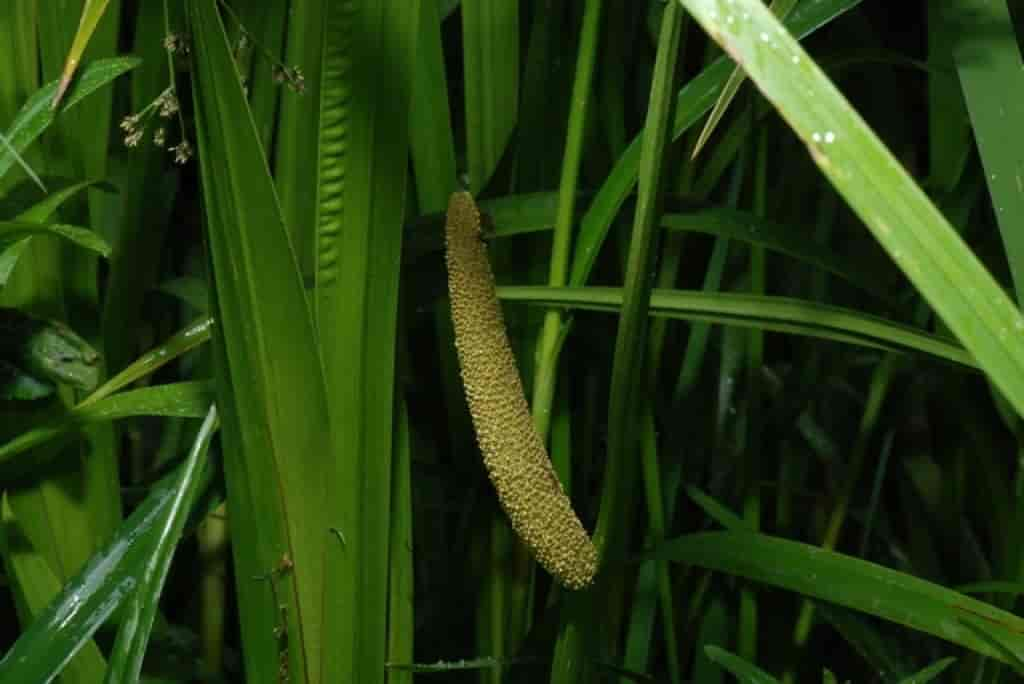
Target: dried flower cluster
165,106
178,44
514,454
290,75
282,73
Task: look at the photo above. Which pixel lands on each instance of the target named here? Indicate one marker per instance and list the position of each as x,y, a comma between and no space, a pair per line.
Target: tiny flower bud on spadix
513,451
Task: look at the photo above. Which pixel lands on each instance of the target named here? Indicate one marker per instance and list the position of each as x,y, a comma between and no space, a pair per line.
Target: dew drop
796,59
765,37
830,137
816,137
730,19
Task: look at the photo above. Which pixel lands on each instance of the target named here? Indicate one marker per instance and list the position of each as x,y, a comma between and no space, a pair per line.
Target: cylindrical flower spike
513,451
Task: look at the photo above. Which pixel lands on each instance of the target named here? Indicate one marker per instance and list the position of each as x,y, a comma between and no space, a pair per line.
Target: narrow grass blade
190,337
43,210
714,629
92,12
718,512
431,141
778,314
76,235
636,293
847,581
929,673
490,46
137,622
905,222
780,8
611,532
36,114
791,241
29,171
180,400
743,671
548,345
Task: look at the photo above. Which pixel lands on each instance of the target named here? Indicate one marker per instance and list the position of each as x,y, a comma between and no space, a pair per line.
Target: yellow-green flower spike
513,451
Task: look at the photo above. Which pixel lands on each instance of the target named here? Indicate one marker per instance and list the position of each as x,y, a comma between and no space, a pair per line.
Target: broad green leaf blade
780,8
277,449
986,51
36,114
34,584
874,183
779,314
364,153
490,47
92,12
67,624
137,622
851,582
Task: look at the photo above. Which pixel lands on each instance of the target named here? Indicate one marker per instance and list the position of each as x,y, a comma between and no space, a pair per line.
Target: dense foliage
763,315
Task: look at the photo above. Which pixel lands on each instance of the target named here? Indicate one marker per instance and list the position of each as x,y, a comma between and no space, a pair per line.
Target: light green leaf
847,581
37,114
